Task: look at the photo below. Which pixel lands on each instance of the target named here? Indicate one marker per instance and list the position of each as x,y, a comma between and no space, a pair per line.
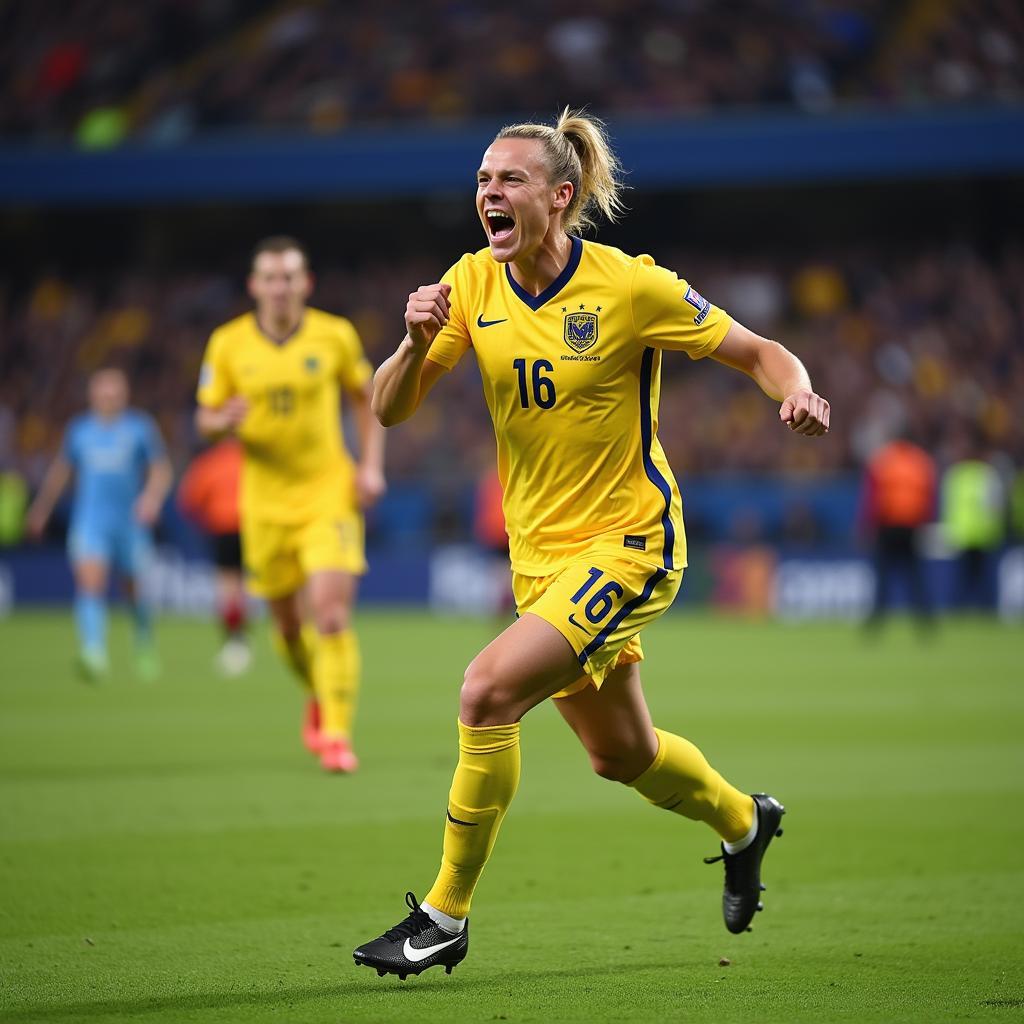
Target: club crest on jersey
699,303
580,331
312,364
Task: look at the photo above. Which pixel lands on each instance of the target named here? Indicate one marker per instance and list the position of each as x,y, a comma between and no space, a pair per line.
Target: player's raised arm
404,380
780,375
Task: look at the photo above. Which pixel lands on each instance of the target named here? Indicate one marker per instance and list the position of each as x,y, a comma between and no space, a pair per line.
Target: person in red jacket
899,500
208,494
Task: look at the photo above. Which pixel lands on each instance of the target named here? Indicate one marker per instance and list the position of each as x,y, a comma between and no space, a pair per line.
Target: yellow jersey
572,378
295,464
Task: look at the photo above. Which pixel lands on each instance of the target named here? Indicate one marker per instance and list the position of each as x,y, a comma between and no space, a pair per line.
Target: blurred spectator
899,500
928,339
973,516
165,69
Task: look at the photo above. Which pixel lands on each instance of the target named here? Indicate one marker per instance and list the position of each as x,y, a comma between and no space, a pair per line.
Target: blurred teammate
122,476
208,494
900,499
568,336
274,378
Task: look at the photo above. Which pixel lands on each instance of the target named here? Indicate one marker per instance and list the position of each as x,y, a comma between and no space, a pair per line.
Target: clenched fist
426,312
806,413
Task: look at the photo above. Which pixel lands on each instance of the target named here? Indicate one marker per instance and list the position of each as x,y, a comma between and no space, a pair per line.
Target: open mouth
499,224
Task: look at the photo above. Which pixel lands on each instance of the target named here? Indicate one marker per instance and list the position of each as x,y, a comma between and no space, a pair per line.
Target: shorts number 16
601,603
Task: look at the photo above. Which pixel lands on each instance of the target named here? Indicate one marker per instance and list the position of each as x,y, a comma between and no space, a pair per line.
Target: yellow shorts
279,557
599,603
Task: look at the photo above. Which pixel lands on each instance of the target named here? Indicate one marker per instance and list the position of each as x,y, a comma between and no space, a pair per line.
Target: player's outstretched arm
158,484
404,380
780,375
370,482
52,487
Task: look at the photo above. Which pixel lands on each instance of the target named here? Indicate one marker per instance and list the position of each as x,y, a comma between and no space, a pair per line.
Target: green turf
168,852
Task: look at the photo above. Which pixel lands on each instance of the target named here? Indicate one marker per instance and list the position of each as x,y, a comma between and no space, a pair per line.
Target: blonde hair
576,150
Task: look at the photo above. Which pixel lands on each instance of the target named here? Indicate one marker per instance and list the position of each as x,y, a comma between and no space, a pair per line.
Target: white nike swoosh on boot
416,955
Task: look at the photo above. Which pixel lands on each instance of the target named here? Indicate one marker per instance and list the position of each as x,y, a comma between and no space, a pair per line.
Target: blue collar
536,301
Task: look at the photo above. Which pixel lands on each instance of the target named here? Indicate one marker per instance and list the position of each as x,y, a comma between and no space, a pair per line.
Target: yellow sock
485,782
298,653
681,780
336,680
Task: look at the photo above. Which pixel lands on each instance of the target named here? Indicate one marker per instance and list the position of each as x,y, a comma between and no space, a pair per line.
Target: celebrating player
568,336
122,476
273,377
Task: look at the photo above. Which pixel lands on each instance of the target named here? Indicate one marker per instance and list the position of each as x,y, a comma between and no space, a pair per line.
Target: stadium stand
169,70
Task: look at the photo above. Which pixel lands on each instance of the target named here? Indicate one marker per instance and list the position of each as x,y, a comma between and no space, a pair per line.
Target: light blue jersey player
122,476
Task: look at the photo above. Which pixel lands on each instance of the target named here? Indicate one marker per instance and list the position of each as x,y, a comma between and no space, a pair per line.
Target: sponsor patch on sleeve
205,375
699,303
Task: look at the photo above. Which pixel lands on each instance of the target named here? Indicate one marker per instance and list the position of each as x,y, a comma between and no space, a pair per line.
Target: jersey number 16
543,387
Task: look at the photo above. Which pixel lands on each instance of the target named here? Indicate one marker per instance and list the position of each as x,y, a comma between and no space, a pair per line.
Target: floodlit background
845,177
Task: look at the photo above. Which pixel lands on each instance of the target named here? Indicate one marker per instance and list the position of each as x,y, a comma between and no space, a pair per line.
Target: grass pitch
168,852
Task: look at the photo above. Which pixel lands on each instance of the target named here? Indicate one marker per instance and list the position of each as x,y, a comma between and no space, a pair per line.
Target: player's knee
332,618
613,767
484,699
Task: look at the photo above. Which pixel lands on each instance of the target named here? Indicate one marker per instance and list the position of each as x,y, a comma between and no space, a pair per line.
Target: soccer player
273,377
122,476
208,494
569,337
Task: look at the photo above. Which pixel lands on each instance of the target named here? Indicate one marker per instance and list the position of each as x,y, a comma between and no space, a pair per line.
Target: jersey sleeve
453,340
216,385
354,369
669,313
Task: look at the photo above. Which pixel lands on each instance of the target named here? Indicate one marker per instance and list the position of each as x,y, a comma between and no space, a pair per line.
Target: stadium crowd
932,340
168,70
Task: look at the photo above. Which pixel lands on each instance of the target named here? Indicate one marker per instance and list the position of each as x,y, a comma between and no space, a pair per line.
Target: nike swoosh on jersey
578,626
481,322
416,955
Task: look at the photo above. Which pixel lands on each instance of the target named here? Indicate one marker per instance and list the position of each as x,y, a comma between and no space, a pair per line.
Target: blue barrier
411,162
793,583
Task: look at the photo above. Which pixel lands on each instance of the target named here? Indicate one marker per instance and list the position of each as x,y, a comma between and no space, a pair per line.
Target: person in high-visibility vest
974,521
898,502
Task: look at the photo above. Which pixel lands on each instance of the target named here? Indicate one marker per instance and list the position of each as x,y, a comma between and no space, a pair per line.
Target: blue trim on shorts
653,473
630,606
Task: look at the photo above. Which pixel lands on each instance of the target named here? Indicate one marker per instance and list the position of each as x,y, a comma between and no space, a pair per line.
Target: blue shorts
126,547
